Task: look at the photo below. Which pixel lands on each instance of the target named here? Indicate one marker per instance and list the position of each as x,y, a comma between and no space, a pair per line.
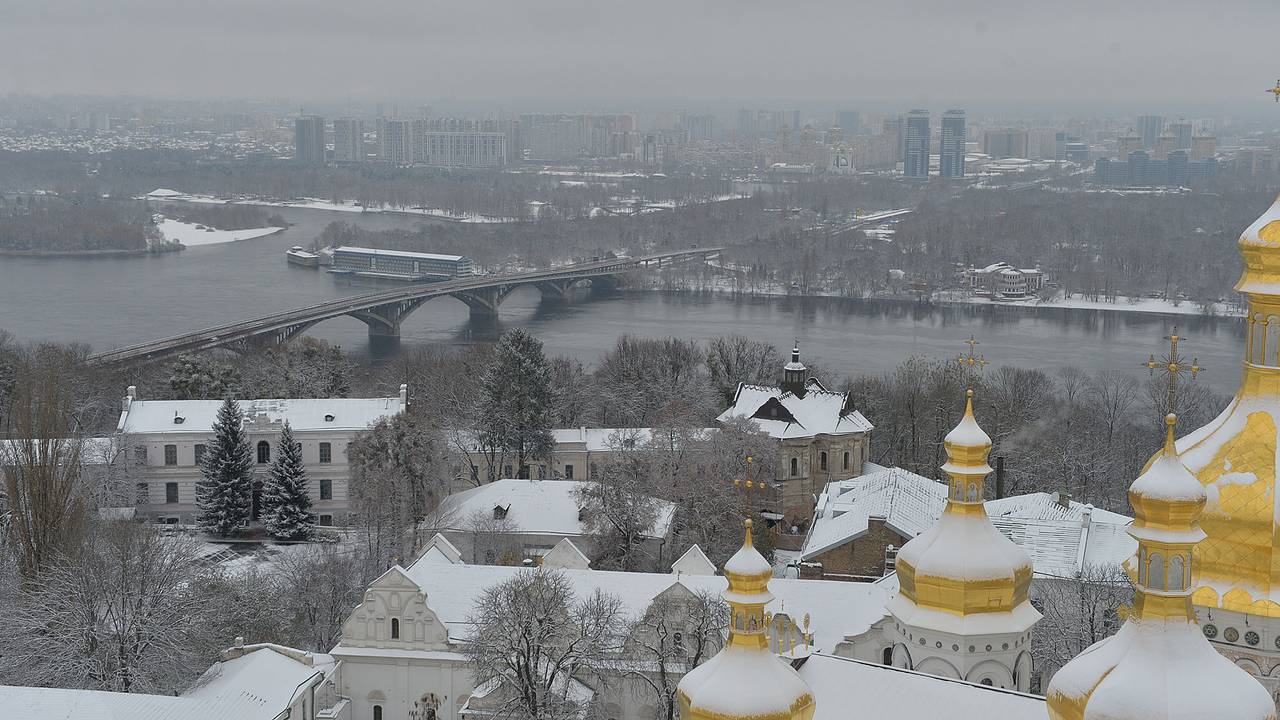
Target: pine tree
286,503
516,401
225,491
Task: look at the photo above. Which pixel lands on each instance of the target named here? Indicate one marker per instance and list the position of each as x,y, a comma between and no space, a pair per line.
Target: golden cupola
1159,665
1234,457
745,680
962,576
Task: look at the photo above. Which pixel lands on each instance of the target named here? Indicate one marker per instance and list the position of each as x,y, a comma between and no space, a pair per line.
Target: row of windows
264,453
171,492
823,464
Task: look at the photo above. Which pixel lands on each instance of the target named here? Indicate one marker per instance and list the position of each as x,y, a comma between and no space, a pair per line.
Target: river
109,302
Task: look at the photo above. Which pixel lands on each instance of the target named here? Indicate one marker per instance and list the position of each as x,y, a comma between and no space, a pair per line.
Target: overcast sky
1122,54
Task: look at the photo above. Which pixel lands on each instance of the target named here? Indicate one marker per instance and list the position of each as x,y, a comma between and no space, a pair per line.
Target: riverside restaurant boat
400,264
297,256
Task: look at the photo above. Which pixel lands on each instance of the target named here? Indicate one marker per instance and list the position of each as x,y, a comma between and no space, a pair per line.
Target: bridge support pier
484,302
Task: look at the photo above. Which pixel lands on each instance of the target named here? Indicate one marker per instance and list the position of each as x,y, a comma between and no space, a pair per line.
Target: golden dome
745,680
963,566
1159,665
1234,456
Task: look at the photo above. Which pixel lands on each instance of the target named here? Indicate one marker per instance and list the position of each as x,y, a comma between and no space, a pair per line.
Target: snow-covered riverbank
163,194
192,235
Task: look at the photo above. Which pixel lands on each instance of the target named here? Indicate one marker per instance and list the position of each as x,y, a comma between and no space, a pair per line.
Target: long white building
169,437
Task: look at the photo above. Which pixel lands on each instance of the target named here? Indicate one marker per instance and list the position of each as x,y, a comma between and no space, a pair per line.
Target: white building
169,438
526,519
1002,280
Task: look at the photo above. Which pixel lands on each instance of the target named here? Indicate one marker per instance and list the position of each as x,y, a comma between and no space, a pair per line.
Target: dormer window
178,419
499,512
328,417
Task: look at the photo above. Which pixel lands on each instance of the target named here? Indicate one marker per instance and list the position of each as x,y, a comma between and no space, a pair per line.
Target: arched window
987,682
1176,581
395,628
795,467
377,712
264,452
822,460
1142,569
1155,572
845,465
973,492
886,656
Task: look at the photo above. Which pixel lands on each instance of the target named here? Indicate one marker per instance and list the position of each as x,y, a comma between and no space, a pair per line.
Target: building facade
952,145
308,140
1007,143
168,439
916,145
348,140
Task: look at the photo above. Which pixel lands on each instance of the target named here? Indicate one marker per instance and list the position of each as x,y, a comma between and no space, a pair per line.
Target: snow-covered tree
516,404
224,493
679,630
286,502
617,509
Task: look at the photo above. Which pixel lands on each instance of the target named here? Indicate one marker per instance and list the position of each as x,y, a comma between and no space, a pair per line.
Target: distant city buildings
1149,128
916,157
308,140
348,140
394,141
1142,170
1203,147
1007,143
1181,130
952,146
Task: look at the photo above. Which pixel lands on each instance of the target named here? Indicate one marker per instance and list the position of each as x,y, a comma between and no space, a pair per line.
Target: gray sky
1122,54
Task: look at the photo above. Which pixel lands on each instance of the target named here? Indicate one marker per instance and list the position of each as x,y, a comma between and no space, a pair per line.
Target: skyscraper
1149,127
951,148
348,140
891,128
308,140
916,157
1182,131
395,143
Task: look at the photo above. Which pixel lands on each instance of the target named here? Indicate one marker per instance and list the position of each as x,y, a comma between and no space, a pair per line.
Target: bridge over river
384,311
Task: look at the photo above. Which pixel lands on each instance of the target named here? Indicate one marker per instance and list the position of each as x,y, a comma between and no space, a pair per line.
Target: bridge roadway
384,311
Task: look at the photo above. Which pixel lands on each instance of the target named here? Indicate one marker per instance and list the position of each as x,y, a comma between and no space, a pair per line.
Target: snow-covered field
191,236
317,204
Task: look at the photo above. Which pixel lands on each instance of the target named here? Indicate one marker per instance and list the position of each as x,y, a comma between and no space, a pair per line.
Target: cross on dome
1172,367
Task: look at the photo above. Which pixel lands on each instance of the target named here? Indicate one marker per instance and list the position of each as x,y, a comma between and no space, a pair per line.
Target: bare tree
533,639
121,613
616,508
679,630
323,585
1078,612
492,538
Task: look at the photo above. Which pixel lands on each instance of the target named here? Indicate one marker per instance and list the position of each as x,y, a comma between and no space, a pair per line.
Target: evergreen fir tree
286,503
516,401
224,493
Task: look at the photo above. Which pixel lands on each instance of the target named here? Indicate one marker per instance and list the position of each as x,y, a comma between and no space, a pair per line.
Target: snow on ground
191,236
318,204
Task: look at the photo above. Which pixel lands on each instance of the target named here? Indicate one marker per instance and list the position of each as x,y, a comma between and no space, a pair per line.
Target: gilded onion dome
1234,456
963,567
1159,665
745,680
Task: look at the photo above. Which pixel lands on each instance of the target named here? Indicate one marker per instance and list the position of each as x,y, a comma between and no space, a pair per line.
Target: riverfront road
384,311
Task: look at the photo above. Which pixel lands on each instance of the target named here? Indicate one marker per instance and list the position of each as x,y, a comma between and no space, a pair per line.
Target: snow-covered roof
599,439
258,685
819,412
836,608
693,562
303,415
883,691
398,253
439,549
566,555
535,507
1060,538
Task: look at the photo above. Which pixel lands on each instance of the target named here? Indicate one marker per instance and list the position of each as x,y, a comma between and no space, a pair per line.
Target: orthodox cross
1173,367
1275,91
747,486
969,362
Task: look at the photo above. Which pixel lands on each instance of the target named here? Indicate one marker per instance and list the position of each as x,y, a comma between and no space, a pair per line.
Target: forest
75,224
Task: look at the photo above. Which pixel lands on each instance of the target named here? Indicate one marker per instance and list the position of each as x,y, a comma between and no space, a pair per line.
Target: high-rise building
1129,143
1165,144
1008,143
892,130
308,140
1182,131
348,140
1149,128
916,158
395,141
951,147
1203,147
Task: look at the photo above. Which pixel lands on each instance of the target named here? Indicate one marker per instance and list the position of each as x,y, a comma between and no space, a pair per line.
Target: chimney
1086,516
1064,498
404,396
999,477
129,396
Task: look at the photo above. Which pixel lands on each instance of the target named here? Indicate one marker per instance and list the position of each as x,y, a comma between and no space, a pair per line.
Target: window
264,452
170,454
326,452
326,519
506,471
142,496
377,712
140,454
568,472
1155,572
822,461
199,454
845,462
987,682
171,492
591,471
886,655
395,628
326,489
795,467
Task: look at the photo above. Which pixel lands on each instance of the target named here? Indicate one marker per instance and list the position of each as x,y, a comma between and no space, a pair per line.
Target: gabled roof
566,555
693,562
535,507
1060,538
819,412
884,691
835,607
439,549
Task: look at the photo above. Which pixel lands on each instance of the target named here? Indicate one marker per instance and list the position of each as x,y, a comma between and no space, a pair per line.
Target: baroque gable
394,614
